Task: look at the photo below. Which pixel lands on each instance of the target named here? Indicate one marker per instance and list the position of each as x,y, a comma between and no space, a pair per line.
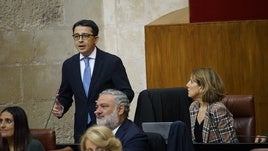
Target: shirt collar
91,56
115,130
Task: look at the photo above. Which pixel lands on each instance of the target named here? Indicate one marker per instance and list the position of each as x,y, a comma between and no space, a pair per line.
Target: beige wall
35,39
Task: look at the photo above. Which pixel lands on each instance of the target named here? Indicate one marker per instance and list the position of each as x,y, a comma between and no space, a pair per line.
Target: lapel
207,125
77,76
96,72
122,129
194,116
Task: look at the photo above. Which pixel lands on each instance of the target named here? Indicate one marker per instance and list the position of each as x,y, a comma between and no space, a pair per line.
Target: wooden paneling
238,51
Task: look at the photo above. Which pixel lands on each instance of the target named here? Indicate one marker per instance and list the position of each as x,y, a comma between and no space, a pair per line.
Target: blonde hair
211,82
102,137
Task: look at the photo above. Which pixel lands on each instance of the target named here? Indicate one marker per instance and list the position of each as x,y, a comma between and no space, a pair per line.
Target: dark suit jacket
109,72
163,105
179,137
132,137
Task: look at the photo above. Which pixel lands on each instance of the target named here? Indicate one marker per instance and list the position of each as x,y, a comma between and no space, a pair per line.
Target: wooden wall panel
238,51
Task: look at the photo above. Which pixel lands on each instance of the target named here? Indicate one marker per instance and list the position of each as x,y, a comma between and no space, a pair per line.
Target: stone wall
35,39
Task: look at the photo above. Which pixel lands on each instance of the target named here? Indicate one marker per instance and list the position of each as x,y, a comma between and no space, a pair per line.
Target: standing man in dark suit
85,75
112,109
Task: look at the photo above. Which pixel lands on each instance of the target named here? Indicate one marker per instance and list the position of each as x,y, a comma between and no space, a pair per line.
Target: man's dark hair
88,23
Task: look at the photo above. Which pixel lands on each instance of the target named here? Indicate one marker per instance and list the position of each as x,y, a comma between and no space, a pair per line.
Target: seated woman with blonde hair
100,138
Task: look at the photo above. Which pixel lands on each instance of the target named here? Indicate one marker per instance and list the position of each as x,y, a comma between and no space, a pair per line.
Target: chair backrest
163,105
243,110
46,136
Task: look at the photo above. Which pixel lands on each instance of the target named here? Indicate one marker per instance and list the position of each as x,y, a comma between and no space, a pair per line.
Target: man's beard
110,121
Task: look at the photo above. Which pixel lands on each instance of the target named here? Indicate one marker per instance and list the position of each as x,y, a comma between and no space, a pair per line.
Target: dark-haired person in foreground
85,75
15,131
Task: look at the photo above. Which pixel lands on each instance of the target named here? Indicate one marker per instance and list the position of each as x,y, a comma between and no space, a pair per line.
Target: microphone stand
55,99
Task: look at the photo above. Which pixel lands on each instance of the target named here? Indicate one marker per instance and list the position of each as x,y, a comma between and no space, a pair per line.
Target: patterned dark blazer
218,124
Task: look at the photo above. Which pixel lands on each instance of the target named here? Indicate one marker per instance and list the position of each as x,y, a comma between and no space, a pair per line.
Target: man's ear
96,39
121,109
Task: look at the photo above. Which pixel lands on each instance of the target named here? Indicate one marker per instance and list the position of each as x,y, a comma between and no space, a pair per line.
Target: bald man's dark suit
109,72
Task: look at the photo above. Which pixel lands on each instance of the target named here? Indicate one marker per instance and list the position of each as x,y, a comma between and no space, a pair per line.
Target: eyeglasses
84,36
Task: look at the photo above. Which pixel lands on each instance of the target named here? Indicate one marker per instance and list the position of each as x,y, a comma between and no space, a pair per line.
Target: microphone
55,99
